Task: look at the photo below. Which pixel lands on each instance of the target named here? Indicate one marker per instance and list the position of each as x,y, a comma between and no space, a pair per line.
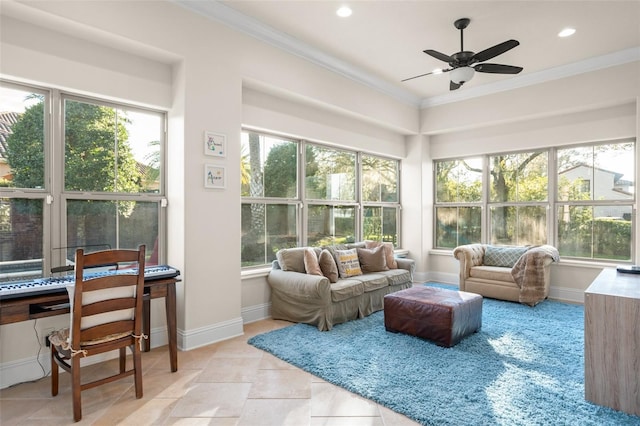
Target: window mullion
57,224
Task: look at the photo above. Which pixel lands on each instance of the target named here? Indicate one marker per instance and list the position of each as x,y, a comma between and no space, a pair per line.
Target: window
330,182
91,177
281,210
380,198
518,186
269,178
595,201
23,135
458,202
591,200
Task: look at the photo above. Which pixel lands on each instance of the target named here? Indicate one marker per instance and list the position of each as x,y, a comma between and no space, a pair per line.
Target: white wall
209,77
158,54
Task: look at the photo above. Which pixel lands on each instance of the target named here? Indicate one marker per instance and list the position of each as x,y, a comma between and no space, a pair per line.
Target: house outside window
76,173
596,224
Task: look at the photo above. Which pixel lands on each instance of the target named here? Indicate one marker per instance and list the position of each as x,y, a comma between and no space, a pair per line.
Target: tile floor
228,383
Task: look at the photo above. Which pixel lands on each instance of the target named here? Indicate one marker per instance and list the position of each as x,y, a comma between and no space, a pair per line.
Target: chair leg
123,360
76,388
54,372
137,366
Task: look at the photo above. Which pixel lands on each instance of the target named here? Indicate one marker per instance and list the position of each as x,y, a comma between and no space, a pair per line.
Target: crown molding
250,26
588,65
228,16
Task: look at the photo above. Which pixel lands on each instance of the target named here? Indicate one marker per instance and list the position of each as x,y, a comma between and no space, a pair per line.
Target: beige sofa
524,278
298,296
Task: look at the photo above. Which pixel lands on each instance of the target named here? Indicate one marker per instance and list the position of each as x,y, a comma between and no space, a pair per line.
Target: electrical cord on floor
35,329
44,371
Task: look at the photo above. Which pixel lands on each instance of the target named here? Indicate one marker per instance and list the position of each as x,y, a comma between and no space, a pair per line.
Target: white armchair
520,274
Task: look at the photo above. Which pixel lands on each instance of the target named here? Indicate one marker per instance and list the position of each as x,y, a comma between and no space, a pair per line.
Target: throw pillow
328,266
502,256
348,264
291,259
372,260
311,264
332,250
388,252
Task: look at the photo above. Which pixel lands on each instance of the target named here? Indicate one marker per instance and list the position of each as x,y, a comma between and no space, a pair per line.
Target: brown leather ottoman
443,316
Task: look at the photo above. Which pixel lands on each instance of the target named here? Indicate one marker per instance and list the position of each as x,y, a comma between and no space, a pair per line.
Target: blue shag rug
524,367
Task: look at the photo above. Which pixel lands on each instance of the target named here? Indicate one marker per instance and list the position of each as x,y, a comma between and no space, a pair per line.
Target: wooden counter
612,341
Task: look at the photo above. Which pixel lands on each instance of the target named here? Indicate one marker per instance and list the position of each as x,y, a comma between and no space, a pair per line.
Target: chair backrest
106,302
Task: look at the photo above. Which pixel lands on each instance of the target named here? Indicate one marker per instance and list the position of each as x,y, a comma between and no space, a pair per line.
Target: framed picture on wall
214,176
215,144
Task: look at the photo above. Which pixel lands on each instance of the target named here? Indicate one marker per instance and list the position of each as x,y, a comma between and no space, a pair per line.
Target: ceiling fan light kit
464,63
462,75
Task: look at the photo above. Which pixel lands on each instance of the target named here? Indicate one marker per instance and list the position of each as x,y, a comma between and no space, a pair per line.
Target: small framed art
214,176
215,144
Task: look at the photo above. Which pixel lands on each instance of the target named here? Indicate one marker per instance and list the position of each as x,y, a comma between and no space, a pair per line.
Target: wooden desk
34,307
612,341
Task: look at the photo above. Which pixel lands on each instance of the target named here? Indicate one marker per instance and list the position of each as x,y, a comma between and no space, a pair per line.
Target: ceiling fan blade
497,68
494,51
411,78
438,55
454,86
429,73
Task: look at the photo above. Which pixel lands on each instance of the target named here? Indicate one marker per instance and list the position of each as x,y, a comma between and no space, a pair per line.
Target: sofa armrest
408,264
300,286
468,255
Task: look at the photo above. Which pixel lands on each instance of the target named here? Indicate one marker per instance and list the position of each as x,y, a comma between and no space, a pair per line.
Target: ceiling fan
464,64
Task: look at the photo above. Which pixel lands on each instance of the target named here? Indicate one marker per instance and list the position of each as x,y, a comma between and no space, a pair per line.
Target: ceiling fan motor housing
462,59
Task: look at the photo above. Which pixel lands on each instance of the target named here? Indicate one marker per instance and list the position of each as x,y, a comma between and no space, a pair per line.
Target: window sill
401,253
441,252
254,273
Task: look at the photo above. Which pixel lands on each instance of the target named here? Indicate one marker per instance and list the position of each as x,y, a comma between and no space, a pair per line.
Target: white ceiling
382,42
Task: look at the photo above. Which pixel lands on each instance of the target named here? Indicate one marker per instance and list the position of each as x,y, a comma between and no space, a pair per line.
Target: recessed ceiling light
567,32
344,11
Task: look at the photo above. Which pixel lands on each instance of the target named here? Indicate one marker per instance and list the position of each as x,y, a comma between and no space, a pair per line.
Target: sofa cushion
311,264
388,252
348,264
372,281
372,260
494,273
291,259
502,256
328,266
346,289
397,276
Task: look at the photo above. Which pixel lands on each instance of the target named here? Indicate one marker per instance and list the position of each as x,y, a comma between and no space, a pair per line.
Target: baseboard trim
30,369
204,336
442,277
565,294
256,313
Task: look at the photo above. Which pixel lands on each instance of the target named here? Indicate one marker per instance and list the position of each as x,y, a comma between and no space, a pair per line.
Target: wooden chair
106,314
